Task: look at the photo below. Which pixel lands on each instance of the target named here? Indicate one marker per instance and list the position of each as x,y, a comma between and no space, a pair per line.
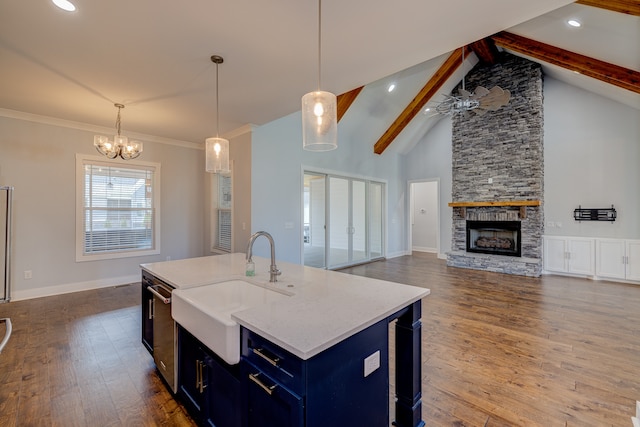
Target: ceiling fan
480,101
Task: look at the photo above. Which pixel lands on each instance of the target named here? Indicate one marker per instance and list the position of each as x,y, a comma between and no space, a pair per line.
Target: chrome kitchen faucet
273,270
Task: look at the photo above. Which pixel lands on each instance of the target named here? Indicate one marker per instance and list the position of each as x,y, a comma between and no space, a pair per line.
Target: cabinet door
555,254
190,372
633,259
147,318
223,395
268,402
610,258
581,256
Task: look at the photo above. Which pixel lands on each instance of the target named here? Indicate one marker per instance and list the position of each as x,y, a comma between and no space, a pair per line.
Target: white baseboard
423,249
17,294
398,254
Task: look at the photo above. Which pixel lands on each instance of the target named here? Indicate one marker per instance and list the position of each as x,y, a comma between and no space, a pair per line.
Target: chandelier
216,148
319,110
120,146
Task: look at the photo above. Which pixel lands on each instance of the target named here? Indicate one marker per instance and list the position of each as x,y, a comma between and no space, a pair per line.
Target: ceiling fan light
319,121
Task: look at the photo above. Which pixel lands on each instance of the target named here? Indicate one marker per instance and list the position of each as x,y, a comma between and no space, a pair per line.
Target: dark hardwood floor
502,350
498,350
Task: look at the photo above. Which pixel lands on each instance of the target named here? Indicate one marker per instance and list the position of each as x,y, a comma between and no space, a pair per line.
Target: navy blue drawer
276,362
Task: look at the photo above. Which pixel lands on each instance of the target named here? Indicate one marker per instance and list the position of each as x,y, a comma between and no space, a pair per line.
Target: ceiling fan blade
481,92
496,98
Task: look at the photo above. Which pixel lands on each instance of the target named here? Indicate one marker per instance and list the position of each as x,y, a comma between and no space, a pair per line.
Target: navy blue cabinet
209,387
347,384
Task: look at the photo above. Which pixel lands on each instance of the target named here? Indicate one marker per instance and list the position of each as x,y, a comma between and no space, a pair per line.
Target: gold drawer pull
255,379
274,360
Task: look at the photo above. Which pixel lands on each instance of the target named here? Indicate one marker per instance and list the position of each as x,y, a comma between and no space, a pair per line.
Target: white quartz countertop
324,307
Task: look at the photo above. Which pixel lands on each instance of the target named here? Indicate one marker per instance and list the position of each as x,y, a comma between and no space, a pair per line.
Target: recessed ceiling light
65,5
574,23
391,87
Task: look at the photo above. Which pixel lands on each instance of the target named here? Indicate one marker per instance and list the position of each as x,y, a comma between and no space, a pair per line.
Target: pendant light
217,149
319,110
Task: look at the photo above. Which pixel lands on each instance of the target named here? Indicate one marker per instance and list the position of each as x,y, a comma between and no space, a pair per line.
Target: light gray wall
592,159
39,161
277,162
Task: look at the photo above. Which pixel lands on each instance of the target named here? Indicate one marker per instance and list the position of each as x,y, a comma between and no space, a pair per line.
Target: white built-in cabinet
574,255
597,257
618,259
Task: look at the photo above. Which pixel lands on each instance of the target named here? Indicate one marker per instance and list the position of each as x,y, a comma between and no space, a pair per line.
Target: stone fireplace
498,174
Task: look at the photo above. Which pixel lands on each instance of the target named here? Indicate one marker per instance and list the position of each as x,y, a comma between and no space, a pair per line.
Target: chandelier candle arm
120,146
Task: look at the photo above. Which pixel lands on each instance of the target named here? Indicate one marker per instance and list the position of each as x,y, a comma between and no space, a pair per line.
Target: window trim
81,161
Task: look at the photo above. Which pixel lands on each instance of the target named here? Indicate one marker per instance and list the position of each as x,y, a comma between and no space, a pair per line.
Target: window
222,240
117,208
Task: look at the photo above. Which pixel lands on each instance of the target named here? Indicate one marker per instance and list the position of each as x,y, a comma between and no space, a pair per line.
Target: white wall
39,161
592,159
277,164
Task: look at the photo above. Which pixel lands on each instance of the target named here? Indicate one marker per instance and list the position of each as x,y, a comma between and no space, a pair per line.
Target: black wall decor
599,214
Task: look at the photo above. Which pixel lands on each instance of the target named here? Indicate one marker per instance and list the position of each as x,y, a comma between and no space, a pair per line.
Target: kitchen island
317,355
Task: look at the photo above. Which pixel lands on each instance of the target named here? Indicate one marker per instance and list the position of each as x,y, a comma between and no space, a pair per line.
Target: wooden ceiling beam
630,7
486,51
346,99
604,71
415,106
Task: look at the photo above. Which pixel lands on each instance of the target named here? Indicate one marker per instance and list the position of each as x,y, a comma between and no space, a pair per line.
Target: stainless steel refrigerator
6,197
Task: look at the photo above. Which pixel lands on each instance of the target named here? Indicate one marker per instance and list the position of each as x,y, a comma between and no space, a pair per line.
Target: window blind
118,208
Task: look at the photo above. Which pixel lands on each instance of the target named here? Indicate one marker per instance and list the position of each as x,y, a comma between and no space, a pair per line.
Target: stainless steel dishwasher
164,333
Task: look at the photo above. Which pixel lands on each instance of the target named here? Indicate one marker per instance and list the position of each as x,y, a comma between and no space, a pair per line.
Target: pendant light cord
319,41
217,105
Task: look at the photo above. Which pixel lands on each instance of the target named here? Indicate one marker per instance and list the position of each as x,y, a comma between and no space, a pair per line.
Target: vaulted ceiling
153,56
611,31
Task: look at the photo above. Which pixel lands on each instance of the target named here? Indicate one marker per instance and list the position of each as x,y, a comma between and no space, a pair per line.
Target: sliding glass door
352,223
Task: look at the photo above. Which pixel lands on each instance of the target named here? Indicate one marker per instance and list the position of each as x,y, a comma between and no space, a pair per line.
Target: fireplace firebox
494,237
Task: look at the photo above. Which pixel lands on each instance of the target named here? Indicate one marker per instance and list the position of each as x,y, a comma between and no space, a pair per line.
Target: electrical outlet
490,180
371,363
28,274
